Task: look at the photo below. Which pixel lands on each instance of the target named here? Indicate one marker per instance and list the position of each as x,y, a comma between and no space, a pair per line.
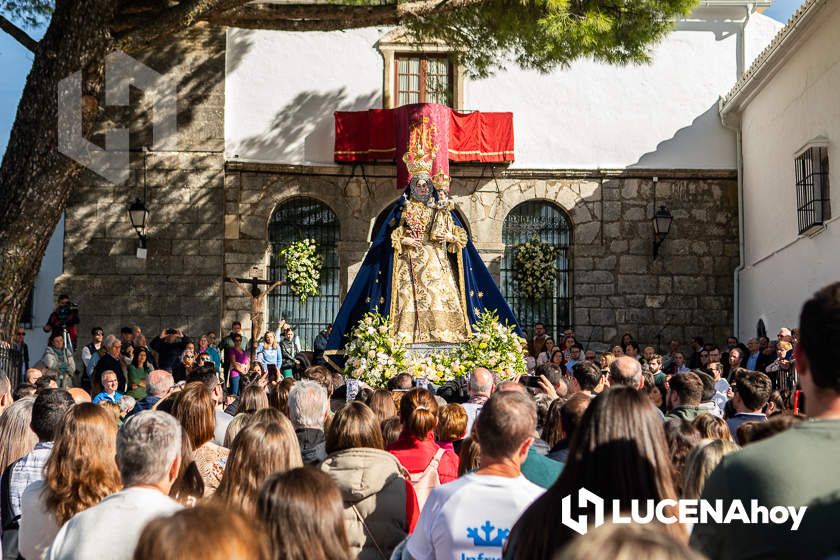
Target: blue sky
15,62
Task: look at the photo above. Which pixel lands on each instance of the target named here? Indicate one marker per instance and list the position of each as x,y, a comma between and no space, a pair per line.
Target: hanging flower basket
303,268
535,268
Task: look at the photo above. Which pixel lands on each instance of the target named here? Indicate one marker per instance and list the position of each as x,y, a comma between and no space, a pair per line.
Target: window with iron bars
812,200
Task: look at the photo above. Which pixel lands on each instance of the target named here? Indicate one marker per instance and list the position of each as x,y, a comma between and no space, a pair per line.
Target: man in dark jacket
308,407
169,345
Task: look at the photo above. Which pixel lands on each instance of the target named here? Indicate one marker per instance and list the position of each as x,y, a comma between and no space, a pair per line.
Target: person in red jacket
416,449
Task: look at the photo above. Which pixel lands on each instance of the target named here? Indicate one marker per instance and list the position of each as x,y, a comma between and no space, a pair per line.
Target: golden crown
441,181
421,152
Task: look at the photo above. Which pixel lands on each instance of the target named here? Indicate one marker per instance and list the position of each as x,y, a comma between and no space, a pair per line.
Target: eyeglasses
21,333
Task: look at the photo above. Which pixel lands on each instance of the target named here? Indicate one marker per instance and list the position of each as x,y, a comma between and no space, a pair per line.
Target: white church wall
43,299
798,104
282,88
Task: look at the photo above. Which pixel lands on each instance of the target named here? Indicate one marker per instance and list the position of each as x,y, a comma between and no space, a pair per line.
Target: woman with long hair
618,452
701,462
194,409
278,397
238,359
188,488
380,506
269,355
259,450
16,437
304,515
253,399
382,404
416,449
138,370
545,355
80,472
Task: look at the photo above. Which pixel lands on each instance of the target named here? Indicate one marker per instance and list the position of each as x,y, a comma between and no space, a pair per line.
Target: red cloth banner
362,136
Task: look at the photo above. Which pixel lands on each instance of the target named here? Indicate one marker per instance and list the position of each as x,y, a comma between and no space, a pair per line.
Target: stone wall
616,284
180,283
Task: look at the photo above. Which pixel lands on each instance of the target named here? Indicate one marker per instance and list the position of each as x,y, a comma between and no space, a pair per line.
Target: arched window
549,224
294,220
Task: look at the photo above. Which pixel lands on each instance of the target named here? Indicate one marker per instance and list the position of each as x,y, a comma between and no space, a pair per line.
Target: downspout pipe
739,166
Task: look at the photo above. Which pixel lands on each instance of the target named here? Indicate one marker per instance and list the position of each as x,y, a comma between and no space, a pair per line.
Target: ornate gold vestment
427,300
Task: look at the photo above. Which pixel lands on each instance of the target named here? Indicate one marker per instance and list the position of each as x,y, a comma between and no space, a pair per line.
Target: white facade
790,100
43,299
282,88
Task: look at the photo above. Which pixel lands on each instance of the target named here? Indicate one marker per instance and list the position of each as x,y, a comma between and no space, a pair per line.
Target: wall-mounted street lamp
661,227
138,214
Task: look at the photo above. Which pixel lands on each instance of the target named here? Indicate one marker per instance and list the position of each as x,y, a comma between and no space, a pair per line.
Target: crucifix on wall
250,287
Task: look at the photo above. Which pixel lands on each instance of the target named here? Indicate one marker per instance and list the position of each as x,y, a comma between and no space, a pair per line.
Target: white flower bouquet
535,268
303,267
373,355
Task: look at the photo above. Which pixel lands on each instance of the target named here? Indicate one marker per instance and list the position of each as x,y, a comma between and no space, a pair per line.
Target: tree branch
18,34
173,20
328,17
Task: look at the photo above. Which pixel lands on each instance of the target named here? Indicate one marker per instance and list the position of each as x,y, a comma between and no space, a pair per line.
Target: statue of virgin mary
422,270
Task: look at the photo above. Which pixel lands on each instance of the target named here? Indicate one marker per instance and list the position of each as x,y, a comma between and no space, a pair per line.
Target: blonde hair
784,345
16,437
274,344
82,468
259,450
701,462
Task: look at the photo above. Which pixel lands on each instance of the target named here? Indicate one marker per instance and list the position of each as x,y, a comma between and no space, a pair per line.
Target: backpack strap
9,521
368,531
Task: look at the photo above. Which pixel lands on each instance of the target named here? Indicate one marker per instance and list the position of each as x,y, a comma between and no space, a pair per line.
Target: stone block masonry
615,284
180,283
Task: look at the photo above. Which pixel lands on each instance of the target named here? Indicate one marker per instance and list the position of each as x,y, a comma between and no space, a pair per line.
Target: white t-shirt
471,516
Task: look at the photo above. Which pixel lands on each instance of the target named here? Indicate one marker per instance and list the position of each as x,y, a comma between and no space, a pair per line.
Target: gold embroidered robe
427,299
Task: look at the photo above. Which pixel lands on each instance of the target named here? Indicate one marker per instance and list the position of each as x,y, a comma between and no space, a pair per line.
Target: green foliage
543,34
29,13
303,267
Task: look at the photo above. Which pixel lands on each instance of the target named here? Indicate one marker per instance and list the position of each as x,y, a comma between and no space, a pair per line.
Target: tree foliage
543,34
29,13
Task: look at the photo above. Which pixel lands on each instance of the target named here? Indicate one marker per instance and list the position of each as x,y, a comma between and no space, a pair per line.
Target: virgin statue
422,270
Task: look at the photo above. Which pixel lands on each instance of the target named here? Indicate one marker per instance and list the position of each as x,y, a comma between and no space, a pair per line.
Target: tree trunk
35,179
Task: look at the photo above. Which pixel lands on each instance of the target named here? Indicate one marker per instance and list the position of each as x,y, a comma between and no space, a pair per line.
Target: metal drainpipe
739,166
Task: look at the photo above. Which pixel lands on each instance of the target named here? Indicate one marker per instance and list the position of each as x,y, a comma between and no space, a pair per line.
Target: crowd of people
162,451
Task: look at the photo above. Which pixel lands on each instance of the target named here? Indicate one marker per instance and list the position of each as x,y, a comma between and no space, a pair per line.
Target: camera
63,312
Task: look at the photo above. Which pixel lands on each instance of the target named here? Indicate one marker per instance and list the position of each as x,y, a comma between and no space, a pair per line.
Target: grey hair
109,341
159,382
481,389
626,371
308,404
147,444
126,403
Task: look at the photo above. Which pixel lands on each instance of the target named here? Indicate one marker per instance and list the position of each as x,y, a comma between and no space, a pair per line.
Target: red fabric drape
483,137
362,136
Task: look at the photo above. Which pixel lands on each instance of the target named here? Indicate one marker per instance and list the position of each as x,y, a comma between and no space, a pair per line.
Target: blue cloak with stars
371,290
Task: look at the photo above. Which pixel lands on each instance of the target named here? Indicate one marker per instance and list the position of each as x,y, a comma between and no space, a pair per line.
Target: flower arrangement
534,268
373,355
303,267
494,346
